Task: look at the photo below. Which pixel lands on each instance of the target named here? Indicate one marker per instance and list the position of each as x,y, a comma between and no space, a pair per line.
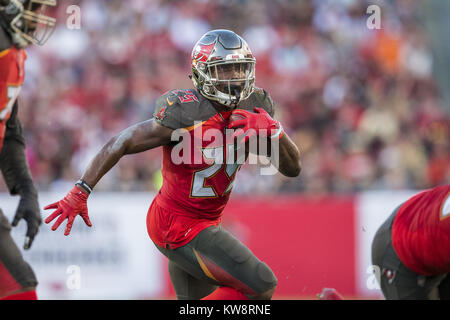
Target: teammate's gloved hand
73,204
28,210
260,120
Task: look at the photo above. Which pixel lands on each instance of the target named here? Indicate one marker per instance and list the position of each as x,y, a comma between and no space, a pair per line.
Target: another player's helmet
26,21
223,67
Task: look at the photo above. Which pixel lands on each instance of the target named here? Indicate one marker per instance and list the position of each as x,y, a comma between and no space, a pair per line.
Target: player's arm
17,176
289,163
287,159
258,123
138,138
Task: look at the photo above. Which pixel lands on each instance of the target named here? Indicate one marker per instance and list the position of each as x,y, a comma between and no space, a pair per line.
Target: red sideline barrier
307,242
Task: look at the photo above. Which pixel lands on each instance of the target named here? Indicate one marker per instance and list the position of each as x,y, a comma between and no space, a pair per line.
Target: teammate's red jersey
421,232
12,63
198,173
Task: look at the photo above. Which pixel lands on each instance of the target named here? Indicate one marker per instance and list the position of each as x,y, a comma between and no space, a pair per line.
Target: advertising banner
115,259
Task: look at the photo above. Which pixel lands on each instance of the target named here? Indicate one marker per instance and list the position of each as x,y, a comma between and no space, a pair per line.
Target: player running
205,261
412,248
21,23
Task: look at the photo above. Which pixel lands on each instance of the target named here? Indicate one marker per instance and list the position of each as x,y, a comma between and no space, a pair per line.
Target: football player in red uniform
412,248
205,261
21,24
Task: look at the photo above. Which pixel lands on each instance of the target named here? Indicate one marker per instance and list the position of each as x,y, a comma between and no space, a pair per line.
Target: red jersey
197,173
202,189
12,67
421,232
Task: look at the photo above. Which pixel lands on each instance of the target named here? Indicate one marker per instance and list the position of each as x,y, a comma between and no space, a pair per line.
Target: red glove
73,204
260,120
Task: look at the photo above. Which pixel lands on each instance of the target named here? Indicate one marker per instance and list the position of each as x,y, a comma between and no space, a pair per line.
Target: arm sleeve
13,162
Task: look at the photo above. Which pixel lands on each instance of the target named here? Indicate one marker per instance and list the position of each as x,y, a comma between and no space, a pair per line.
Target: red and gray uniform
12,64
196,194
15,273
421,232
411,248
184,218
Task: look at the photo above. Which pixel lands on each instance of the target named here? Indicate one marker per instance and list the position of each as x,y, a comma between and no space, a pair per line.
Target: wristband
83,184
279,133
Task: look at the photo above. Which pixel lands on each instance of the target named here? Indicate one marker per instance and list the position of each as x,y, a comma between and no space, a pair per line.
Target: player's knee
267,281
265,295
266,275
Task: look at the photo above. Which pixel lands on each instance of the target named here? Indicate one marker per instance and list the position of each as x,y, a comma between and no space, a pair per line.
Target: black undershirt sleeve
13,162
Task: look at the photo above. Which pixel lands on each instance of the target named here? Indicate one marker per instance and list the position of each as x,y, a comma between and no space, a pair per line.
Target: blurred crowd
360,103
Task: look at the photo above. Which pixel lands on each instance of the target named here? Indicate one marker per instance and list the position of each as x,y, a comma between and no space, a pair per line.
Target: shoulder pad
259,98
181,108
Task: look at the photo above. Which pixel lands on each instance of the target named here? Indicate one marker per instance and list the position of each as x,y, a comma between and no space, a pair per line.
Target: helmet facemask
29,22
229,82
